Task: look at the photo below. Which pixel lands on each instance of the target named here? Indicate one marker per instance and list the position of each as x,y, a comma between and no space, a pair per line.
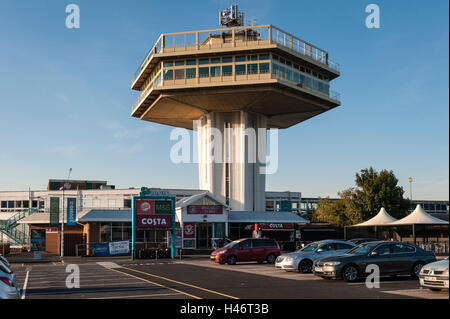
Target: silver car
3,260
8,286
303,259
435,275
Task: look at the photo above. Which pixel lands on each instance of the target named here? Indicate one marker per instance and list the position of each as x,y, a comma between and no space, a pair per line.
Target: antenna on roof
231,17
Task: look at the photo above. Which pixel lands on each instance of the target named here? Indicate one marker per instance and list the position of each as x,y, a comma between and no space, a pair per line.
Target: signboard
188,230
276,226
52,230
111,248
204,210
71,211
286,206
54,211
153,209
119,247
145,206
144,221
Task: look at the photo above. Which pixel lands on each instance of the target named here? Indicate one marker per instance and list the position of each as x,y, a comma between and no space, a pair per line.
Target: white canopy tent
381,219
418,217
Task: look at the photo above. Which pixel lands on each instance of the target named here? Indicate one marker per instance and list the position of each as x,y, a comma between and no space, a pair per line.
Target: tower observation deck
239,77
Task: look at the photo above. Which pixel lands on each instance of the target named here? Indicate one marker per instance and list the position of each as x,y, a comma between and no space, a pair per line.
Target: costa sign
276,226
153,221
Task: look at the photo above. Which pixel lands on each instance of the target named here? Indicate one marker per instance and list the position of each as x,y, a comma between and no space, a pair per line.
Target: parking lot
200,279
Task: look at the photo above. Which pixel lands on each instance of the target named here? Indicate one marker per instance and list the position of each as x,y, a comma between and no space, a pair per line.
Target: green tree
373,190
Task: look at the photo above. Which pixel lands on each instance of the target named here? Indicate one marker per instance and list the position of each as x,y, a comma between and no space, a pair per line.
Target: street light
66,186
410,180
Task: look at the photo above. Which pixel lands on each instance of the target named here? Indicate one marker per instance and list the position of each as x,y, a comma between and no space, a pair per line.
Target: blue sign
71,211
111,248
100,250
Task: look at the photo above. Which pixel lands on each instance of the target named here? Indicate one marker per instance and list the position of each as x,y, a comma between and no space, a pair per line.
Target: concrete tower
240,78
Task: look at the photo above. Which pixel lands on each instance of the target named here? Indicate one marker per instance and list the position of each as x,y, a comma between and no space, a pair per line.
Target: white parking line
24,289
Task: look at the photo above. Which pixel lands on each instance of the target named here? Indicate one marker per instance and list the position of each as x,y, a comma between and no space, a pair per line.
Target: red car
247,249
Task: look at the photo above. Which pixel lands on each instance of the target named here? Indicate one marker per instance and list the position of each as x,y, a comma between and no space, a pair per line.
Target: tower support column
232,152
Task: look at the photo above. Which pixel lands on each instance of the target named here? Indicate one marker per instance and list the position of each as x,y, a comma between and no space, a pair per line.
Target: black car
393,258
358,241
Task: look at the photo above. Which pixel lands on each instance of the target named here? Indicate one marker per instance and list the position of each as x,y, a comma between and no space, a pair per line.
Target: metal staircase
9,227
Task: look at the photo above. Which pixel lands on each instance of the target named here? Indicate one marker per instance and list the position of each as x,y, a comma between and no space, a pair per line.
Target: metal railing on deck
232,38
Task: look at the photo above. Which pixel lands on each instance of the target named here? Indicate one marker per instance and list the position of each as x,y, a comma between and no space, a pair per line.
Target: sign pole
133,228
172,242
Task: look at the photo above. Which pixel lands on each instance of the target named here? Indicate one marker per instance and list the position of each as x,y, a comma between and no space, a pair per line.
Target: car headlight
445,272
422,271
221,252
288,259
332,263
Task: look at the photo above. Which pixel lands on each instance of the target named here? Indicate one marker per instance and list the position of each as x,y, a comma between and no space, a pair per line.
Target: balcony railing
240,36
245,76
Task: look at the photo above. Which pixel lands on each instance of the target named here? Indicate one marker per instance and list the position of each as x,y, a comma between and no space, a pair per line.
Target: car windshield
361,249
232,244
311,247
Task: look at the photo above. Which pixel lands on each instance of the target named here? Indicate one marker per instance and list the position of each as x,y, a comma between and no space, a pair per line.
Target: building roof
106,215
382,218
265,217
186,201
419,217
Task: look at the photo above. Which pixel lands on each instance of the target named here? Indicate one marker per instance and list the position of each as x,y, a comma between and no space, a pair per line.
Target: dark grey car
392,258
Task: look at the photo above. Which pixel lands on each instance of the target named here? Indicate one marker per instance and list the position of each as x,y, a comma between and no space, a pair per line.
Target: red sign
52,230
145,206
205,210
146,221
276,226
189,230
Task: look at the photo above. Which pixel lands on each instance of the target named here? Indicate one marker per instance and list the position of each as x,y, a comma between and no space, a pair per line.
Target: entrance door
204,235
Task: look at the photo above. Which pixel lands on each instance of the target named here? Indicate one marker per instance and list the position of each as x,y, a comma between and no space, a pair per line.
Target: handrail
274,36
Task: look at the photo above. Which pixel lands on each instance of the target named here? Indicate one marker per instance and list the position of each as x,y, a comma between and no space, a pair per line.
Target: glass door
204,235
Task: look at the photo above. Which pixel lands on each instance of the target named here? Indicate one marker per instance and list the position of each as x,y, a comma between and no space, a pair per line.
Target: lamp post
410,180
66,186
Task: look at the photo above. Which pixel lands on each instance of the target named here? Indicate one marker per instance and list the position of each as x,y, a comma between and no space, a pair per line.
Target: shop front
203,220
280,226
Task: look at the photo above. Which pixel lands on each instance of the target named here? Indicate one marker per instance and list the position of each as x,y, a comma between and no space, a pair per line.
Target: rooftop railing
234,38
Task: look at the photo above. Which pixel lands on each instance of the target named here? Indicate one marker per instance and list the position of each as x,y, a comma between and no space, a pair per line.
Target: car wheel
271,259
350,273
231,260
305,266
415,271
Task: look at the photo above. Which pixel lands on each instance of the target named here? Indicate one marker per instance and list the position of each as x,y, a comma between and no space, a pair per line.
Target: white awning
381,219
419,217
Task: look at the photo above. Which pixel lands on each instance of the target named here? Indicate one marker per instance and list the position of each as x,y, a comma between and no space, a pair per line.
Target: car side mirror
241,248
373,254
319,250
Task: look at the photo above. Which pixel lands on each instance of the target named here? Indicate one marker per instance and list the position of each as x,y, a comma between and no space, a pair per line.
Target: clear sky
65,96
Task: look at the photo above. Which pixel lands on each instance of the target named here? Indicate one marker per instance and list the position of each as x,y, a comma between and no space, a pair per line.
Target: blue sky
65,95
